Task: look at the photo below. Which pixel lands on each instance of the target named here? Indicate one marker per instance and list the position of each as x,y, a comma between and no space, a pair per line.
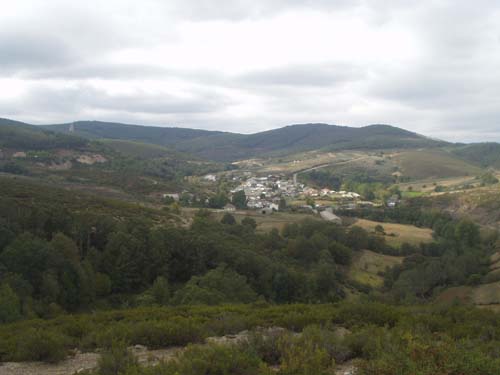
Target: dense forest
56,256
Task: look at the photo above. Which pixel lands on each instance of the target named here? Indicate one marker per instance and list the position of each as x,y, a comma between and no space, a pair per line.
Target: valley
113,236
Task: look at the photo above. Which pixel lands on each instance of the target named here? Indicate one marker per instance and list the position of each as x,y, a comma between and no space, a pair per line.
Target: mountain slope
305,137
482,154
15,134
149,134
222,146
127,165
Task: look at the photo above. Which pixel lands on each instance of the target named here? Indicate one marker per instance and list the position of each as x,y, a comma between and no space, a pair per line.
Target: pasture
368,267
265,223
397,234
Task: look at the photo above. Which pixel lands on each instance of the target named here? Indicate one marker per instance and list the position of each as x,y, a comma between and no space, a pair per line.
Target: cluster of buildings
322,193
267,191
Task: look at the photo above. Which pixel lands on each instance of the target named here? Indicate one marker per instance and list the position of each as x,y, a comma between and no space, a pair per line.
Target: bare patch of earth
81,362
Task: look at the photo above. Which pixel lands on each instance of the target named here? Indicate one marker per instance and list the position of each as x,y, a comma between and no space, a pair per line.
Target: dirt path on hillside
84,361
88,361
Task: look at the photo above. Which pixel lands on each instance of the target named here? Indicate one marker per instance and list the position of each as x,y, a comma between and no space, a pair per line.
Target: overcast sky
429,66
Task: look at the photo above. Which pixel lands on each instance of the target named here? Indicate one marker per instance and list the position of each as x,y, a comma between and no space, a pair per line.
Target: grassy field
264,222
459,293
433,164
481,295
306,160
495,260
402,233
429,185
367,267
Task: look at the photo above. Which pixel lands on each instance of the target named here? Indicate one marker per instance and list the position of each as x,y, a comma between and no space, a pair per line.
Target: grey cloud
44,99
244,9
305,75
80,70
449,89
30,51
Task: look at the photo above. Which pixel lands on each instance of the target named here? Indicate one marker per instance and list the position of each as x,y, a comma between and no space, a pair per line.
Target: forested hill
148,134
223,146
483,154
15,134
306,137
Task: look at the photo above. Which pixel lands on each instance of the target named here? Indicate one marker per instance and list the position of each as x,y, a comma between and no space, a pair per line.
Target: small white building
229,207
210,177
274,207
328,215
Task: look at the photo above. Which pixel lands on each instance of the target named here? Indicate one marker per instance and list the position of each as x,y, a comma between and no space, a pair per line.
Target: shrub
266,346
41,345
305,354
214,359
116,360
160,334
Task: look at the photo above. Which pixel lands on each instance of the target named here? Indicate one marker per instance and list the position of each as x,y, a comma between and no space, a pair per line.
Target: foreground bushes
152,327
41,345
385,339
380,351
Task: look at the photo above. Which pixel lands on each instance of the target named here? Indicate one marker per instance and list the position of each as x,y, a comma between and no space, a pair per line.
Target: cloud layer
251,65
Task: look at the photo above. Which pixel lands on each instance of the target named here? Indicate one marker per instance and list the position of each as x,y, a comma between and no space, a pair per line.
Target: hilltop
223,146
126,165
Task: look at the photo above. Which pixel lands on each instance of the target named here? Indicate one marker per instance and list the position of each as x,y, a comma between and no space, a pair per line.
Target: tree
310,202
228,219
249,222
218,201
161,291
10,305
282,205
240,199
26,256
341,254
216,286
467,232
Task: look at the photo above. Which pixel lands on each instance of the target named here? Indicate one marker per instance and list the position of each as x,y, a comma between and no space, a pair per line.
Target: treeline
55,261
458,256
28,137
63,251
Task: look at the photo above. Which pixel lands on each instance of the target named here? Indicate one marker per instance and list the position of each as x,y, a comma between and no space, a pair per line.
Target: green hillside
305,137
14,134
148,134
230,146
483,154
138,149
127,165
433,164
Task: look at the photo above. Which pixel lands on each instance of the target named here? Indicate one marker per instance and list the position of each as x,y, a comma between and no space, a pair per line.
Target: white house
328,215
229,207
210,177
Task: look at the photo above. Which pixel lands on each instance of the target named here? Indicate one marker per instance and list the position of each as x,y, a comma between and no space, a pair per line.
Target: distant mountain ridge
163,136
226,146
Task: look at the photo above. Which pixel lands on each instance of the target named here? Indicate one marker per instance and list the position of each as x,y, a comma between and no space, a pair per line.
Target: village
268,191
